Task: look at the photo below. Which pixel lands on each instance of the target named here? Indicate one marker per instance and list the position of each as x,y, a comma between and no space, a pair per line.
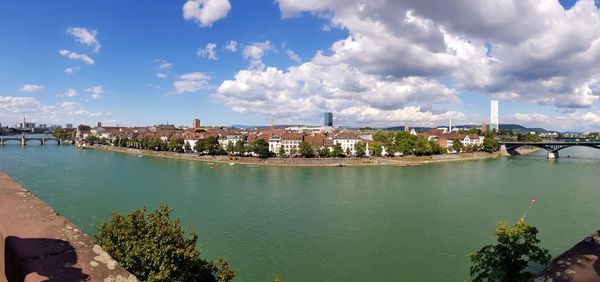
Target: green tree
154,247
293,152
436,149
240,147
405,142
490,145
348,152
211,145
337,151
375,148
324,152
230,148
422,147
187,148
281,152
360,149
457,146
506,261
306,150
261,148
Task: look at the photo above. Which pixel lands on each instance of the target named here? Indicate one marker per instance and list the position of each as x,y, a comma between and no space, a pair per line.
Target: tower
328,119
494,124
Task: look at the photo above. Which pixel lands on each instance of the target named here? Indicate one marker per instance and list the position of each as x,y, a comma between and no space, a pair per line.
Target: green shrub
155,248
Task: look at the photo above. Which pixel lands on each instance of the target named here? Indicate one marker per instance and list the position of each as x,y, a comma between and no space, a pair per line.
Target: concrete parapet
37,244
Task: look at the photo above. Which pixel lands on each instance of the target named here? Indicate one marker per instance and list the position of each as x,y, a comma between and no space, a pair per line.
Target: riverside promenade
37,244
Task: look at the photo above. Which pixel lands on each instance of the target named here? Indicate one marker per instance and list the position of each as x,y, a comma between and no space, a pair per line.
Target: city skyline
231,62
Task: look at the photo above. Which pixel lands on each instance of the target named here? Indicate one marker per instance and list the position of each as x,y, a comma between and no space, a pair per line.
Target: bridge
24,139
552,147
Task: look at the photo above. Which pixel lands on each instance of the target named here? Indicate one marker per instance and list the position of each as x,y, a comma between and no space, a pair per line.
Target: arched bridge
24,139
551,147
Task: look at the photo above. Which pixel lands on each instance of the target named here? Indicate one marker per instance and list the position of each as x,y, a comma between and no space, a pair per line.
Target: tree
261,148
422,147
375,148
187,147
324,152
348,152
306,150
457,146
436,149
211,146
490,145
405,142
240,147
337,151
230,148
360,149
293,152
281,152
506,261
154,247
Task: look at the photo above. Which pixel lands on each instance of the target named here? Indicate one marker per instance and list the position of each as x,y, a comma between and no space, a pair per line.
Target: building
291,142
195,123
69,126
347,141
494,125
328,119
99,124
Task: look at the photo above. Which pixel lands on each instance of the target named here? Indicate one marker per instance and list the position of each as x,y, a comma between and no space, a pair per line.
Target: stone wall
37,244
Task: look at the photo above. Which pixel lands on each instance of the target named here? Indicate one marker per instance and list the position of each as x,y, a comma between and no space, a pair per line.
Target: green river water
326,224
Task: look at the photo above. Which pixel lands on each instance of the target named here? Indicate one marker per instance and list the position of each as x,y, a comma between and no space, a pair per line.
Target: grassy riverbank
306,162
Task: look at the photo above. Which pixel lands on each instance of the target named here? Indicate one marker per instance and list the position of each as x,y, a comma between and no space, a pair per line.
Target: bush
506,261
154,248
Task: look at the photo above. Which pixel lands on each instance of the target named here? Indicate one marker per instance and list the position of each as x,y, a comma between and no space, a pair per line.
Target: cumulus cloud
293,56
69,93
205,12
192,82
12,109
255,52
570,120
76,56
31,88
527,51
10,104
231,46
85,36
71,70
95,91
208,52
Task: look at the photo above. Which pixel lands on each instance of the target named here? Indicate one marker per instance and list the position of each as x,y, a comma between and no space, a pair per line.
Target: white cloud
205,12
163,68
293,56
85,36
71,70
231,46
75,56
31,88
192,82
255,52
69,93
95,91
13,109
9,104
208,52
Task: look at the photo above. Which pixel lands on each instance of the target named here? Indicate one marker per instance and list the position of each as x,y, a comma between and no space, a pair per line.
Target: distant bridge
24,139
551,147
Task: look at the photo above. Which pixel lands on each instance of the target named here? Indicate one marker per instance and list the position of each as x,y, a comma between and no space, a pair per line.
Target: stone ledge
37,244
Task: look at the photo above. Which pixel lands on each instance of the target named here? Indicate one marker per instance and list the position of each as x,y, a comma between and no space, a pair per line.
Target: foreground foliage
507,260
154,248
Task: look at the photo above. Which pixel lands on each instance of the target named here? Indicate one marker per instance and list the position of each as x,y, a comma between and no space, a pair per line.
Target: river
326,224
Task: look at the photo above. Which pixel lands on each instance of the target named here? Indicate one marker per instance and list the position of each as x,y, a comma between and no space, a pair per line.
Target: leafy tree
490,145
405,142
391,150
324,152
337,151
348,152
360,149
436,149
375,148
211,146
293,152
281,152
261,148
306,150
381,136
457,146
187,147
422,147
62,134
506,261
240,147
230,148
154,247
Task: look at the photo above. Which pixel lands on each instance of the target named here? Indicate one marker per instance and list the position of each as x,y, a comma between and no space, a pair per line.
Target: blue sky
379,64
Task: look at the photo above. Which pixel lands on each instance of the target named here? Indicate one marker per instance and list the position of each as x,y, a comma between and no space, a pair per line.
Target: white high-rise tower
494,115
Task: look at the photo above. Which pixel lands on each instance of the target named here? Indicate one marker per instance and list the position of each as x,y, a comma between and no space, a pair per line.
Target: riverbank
39,244
306,162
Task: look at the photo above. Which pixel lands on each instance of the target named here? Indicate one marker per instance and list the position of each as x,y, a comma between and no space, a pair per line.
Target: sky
371,63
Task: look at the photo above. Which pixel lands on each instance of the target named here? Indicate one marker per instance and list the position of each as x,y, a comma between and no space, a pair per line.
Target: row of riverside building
288,139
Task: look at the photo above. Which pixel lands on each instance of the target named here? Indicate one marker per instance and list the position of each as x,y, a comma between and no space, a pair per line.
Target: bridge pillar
42,141
22,141
552,154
